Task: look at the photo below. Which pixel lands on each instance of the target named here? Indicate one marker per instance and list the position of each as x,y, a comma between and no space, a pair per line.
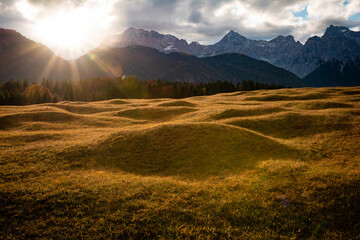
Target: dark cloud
324,23
158,15
165,3
195,17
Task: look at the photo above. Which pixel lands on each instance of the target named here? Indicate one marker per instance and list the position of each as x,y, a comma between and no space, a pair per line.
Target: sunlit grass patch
318,105
278,97
156,113
247,112
290,124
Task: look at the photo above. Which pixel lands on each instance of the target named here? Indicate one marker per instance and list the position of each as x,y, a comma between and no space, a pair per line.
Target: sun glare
63,30
70,30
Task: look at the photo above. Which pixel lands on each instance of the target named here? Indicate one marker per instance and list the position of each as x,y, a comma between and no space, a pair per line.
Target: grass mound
318,105
357,99
278,97
83,109
14,120
230,113
154,113
188,150
21,140
290,125
116,101
177,104
352,92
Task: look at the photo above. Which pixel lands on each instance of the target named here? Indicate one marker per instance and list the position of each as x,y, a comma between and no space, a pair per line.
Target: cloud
207,21
195,16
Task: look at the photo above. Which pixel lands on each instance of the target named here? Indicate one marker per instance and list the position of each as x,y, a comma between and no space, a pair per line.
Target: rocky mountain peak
312,40
335,31
194,43
136,31
233,35
232,38
283,39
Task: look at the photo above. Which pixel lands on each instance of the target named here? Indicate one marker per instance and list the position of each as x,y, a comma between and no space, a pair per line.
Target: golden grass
269,164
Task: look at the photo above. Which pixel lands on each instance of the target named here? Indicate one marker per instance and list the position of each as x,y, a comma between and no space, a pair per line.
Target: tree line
15,92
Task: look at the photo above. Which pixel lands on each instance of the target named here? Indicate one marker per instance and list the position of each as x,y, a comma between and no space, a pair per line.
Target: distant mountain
23,58
330,60
148,63
276,51
132,36
338,43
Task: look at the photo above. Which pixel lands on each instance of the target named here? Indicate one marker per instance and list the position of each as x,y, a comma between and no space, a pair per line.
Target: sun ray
49,67
16,57
74,71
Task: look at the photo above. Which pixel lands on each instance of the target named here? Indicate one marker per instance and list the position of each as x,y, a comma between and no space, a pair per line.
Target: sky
72,27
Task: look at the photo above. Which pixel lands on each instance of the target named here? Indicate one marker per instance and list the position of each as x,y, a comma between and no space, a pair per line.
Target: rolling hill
267,164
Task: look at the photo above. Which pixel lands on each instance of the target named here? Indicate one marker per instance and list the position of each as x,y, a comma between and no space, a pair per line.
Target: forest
15,92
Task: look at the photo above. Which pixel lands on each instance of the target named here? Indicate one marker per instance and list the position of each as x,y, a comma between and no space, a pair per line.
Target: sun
64,30
69,30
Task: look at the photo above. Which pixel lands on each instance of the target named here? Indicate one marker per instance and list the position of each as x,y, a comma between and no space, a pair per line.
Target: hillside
148,63
335,73
22,58
267,164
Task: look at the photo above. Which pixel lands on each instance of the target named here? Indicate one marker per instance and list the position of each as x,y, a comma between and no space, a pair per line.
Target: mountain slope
335,73
148,63
23,58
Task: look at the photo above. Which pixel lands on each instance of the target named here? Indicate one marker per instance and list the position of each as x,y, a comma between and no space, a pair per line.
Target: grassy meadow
267,164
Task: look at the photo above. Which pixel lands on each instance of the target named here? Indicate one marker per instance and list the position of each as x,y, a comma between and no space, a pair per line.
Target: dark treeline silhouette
95,89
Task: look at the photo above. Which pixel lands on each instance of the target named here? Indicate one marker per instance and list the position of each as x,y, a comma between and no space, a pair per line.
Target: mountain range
24,58
330,60
337,44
